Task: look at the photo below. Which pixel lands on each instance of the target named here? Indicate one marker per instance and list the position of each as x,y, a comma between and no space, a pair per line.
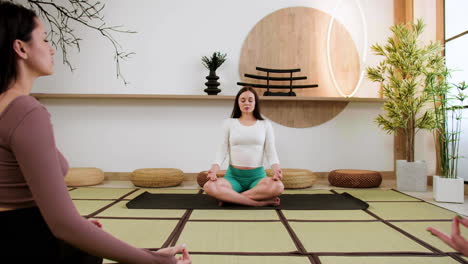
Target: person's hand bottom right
455,240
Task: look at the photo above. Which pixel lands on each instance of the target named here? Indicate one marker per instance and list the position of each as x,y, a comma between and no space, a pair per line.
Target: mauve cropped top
19,125
32,173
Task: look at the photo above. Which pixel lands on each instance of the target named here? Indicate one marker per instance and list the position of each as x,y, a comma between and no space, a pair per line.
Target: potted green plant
402,73
212,64
448,102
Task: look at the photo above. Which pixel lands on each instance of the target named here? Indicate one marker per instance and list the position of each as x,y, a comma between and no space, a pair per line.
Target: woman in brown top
39,223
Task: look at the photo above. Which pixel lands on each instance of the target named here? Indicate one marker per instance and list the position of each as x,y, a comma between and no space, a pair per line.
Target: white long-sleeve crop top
247,146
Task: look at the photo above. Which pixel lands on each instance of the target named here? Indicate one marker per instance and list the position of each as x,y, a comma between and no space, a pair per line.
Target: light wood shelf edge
199,97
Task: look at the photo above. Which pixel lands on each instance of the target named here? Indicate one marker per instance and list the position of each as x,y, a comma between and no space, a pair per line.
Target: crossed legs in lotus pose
265,193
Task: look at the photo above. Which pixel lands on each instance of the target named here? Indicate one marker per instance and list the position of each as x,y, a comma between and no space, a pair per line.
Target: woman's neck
19,89
16,89
247,117
22,85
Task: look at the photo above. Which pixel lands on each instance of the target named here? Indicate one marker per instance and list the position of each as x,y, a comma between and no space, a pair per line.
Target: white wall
425,147
122,135
174,35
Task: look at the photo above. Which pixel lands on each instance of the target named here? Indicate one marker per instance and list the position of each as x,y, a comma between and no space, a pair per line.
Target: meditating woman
247,140
39,222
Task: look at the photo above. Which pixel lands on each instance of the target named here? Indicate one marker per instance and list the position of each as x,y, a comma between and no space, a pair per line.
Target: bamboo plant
448,112
407,63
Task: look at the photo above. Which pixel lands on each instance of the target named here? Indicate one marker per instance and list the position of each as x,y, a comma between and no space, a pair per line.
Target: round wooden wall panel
296,37
301,114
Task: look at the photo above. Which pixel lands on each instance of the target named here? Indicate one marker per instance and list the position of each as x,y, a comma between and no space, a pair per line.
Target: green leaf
413,79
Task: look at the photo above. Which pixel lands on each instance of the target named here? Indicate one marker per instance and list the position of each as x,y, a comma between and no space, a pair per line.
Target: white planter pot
411,176
448,189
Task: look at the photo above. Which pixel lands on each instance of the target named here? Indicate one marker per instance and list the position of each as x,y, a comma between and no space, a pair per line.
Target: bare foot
272,202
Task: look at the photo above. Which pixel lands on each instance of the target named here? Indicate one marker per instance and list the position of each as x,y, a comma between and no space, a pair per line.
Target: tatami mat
140,233
378,195
327,215
87,207
237,237
410,211
387,260
390,231
99,193
353,237
120,210
235,259
234,215
418,229
230,259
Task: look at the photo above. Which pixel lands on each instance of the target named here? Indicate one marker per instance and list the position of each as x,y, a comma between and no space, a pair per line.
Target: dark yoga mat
342,201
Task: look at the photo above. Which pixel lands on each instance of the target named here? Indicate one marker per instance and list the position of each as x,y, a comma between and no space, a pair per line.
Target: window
456,54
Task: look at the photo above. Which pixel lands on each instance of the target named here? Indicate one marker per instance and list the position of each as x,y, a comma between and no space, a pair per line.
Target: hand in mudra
455,239
169,255
277,174
211,176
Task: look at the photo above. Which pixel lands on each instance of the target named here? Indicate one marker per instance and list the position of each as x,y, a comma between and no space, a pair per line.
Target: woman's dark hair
16,22
236,112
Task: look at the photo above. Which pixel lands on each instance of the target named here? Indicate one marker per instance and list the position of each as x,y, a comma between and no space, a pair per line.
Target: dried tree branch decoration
88,13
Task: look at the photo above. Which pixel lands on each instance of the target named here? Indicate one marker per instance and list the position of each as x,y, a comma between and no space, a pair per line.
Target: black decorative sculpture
212,64
212,84
268,79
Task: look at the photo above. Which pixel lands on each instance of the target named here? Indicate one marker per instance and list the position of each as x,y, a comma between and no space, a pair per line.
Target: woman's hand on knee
212,172
211,176
277,172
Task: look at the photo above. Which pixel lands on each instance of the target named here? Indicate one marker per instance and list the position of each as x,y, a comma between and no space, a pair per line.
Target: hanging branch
88,14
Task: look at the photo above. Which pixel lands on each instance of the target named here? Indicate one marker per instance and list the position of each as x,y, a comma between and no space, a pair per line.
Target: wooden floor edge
192,176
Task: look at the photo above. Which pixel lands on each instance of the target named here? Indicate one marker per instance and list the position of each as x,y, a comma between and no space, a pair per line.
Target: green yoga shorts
243,180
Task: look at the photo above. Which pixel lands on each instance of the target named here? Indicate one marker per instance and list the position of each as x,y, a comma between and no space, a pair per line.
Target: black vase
212,84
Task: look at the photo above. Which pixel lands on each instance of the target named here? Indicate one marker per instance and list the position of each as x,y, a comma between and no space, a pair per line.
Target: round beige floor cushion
84,177
355,178
296,178
202,176
157,177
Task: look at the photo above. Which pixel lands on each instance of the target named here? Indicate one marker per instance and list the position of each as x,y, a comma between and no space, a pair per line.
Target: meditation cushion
296,178
202,176
355,178
84,177
157,177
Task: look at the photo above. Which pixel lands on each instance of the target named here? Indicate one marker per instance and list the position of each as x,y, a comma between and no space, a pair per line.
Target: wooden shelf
328,99
199,97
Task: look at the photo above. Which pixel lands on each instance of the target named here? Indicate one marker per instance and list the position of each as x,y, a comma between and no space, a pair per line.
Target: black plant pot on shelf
212,84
